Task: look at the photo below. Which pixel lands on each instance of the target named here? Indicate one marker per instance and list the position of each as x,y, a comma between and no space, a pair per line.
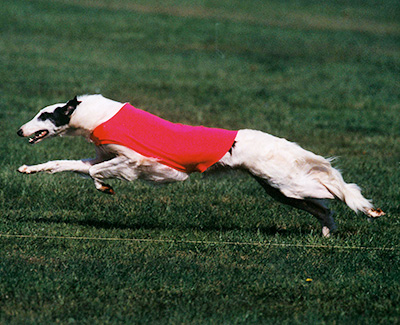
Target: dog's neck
90,113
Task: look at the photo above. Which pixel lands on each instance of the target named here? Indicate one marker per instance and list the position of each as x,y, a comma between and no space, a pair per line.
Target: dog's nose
20,133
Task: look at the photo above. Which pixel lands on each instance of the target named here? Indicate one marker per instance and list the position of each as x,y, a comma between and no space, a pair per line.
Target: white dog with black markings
133,144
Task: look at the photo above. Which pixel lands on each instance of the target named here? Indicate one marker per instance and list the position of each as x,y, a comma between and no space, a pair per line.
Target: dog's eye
58,117
48,117
44,116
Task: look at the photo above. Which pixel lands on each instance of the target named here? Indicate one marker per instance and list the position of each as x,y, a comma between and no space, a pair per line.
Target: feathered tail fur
348,193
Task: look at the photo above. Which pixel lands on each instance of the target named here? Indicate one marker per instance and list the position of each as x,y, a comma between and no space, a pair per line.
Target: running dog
133,144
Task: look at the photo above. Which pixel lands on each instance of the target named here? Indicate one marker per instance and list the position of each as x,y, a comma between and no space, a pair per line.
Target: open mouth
37,136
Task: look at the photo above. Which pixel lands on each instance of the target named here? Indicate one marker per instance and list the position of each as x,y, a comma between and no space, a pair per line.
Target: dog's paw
328,232
24,169
106,189
375,213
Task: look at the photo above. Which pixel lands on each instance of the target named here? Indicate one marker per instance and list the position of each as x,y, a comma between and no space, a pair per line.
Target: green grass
323,74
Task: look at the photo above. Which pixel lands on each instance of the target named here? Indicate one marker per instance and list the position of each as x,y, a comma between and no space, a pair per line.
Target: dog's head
50,121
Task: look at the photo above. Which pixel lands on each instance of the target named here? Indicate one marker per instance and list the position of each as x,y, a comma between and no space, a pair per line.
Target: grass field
323,74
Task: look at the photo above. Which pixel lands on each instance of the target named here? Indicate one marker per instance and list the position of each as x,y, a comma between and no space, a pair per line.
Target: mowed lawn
215,249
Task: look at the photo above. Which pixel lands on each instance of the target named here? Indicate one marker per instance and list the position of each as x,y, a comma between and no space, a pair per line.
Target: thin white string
199,242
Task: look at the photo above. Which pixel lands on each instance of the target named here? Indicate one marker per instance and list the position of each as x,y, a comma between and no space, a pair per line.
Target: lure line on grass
198,242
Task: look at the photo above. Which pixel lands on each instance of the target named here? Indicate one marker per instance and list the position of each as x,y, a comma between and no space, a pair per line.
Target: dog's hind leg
324,215
315,207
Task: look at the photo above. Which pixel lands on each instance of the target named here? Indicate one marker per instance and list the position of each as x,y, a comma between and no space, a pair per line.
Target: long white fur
295,172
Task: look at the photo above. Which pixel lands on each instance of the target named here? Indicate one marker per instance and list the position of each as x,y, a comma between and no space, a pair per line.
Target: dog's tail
350,194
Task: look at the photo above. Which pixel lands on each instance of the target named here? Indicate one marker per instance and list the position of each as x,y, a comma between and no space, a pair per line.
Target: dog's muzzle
35,137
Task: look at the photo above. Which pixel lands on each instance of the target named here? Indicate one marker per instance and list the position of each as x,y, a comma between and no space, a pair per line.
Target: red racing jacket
182,147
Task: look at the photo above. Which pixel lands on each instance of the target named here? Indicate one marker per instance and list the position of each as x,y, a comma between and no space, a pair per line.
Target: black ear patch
71,106
61,115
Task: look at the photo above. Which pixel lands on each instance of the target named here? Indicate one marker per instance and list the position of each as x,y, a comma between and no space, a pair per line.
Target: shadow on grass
270,230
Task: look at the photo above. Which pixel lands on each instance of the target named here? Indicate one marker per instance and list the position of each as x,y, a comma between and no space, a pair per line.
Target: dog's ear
71,106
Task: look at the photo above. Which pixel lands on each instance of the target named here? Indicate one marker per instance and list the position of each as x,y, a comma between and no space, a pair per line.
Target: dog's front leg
119,167
56,166
79,166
